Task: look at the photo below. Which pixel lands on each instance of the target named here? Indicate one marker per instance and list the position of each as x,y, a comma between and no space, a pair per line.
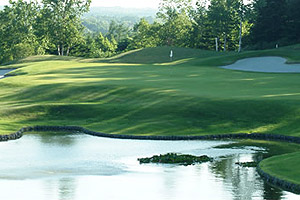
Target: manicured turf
285,167
142,92
183,97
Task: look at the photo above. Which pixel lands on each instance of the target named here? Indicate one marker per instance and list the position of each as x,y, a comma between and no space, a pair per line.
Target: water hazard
80,167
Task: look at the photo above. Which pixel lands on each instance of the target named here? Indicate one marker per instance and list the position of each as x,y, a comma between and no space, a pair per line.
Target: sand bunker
264,64
4,71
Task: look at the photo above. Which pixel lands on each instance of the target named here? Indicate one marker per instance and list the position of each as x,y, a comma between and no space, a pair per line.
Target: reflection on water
57,139
245,182
67,188
79,167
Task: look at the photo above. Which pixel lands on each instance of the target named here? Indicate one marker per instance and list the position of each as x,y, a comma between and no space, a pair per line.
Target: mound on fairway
161,55
270,64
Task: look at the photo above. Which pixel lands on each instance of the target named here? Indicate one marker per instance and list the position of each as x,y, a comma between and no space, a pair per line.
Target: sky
121,3
127,3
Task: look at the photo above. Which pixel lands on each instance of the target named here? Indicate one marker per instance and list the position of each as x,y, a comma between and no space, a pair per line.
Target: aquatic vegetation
174,158
247,164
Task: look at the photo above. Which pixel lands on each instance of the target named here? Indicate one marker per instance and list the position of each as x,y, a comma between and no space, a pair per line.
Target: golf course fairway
143,93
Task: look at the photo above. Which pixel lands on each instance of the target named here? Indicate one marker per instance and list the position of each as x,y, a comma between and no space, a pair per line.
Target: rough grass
142,92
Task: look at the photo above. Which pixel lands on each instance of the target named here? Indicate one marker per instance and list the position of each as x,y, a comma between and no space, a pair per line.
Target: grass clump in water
174,158
247,164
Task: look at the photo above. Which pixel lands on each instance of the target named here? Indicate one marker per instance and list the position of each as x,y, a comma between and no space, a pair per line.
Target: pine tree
293,23
270,24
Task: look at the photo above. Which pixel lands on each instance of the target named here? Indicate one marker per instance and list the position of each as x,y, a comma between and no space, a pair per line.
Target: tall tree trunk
225,41
68,51
58,50
240,41
217,46
62,50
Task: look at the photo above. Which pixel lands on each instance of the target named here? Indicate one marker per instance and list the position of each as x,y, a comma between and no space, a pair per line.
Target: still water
81,167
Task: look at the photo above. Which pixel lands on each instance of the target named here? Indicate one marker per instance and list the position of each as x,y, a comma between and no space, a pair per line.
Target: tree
180,6
100,42
221,20
114,44
17,35
145,35
201,36
62,22
224,19
176,23
293,21
118,31
245,14
270,22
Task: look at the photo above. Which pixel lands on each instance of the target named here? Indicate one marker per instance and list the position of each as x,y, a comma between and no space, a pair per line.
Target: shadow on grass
124,110
41,58
158,55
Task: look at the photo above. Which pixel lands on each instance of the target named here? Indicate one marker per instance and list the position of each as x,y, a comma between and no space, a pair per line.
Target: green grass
172,98
280,159
285,167
271,148
143,93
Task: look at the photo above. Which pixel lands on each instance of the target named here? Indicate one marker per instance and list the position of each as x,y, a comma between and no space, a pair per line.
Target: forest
67,28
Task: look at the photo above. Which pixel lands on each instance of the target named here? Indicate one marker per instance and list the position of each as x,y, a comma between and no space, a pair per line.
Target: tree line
34,28
56,27
222,24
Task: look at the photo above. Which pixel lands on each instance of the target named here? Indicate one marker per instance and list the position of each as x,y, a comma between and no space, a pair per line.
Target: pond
80,167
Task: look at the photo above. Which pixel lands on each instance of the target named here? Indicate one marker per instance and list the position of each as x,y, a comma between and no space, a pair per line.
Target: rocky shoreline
254,136
288,186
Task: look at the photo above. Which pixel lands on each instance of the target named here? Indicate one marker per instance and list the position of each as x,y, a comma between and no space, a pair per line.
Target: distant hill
99,18
121,12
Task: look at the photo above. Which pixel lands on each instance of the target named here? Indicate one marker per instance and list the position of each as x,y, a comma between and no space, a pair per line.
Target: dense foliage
29,28
222,24
57,27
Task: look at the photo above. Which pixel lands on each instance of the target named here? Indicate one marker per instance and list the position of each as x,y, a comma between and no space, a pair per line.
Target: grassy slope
285,167
189,97
141,92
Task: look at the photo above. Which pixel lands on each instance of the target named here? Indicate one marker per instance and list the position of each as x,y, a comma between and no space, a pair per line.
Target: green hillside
189,96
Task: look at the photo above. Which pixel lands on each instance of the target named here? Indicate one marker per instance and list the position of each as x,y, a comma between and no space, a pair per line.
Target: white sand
4,71
264,64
